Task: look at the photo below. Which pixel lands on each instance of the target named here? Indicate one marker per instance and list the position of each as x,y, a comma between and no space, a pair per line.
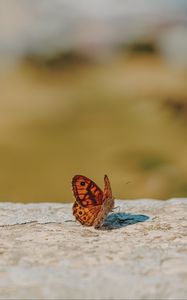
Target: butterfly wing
107,206
92,205
107,188
86,191
89,198
86,216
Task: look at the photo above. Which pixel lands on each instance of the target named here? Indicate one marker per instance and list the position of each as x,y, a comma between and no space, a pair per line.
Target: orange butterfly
91,206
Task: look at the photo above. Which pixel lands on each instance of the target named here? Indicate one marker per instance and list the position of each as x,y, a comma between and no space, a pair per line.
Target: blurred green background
93,89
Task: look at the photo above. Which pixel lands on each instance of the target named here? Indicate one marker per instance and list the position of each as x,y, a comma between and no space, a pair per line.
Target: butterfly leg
117,207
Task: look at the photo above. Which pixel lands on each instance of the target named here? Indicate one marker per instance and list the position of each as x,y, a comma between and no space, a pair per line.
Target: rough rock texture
141,252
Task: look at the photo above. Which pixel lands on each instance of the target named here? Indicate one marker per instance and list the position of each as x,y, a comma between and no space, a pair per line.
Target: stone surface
141,252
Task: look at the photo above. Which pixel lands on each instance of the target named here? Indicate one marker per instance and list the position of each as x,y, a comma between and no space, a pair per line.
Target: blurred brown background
93,87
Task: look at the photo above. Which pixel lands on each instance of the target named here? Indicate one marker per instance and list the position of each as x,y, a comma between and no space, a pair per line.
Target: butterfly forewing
86,192
107,188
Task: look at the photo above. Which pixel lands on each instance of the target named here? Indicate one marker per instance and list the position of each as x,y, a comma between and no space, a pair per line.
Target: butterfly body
92,205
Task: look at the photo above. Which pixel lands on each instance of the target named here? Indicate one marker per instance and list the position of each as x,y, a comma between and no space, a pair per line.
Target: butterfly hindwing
86,216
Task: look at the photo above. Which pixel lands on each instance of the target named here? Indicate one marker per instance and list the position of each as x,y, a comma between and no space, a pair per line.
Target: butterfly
92,205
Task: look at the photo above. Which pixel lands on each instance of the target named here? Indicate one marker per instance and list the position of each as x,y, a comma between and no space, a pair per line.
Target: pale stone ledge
141,253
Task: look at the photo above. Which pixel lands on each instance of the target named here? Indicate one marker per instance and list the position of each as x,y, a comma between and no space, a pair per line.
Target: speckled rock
141,252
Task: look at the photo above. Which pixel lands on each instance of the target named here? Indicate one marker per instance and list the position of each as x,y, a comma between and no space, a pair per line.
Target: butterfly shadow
119,220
